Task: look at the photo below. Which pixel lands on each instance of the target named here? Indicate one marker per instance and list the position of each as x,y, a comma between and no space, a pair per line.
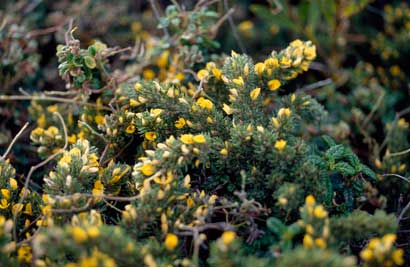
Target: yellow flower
227,237
238,81
171,241
284,112
6,193
79,234
296,43
148,169
162,60
366,254
52,108
204,103
72,138
310,200
98,188
28,210
180,123
320,212
285,62
320,243
137,87
4,204
228,110
24,254
130,129
402,123
223,152
310,52
280,144
272,62
202,74
259,68
245,26
148,74
397,256
99,119
255,93
274,85
150,136
93,232
187,139
13,183
308,241
199,138
217,73
134,103
275,122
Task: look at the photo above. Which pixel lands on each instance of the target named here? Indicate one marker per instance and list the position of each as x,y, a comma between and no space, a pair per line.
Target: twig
403,211
158,17
375,107
74,210
407,179
400,153
92,130
398,115
50,98
14,141
219,23
46,30
234,32
316,85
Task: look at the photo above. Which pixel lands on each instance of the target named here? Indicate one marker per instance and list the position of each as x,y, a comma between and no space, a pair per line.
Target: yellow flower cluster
286,64
96,259
49,140
315,221
380,252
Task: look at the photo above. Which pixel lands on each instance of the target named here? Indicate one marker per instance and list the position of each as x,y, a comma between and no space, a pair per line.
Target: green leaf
328,140
335,152
276,226
368,172
345,169
90,62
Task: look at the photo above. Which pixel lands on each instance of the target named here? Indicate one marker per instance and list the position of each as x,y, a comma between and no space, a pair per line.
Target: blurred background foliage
361,75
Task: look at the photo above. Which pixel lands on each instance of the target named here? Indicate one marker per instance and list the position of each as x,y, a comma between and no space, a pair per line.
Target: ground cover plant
204,133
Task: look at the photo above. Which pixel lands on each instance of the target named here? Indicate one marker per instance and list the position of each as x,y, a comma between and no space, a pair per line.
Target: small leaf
276,226
335,152
90,62
368,172
345,169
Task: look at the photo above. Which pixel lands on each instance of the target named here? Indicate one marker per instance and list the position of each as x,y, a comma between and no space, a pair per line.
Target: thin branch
407,179
398,115
316,85
14,141
400,153
234,32
374,109
50,98
403,211
158,17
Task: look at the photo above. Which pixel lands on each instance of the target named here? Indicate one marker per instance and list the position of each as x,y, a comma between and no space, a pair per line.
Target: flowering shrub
183,151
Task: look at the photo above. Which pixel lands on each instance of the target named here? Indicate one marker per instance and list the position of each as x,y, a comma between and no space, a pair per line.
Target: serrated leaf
345,169
318,161
328,140
335,152
368,172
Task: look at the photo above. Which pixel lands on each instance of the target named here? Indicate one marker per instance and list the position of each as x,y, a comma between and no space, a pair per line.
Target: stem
14,141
